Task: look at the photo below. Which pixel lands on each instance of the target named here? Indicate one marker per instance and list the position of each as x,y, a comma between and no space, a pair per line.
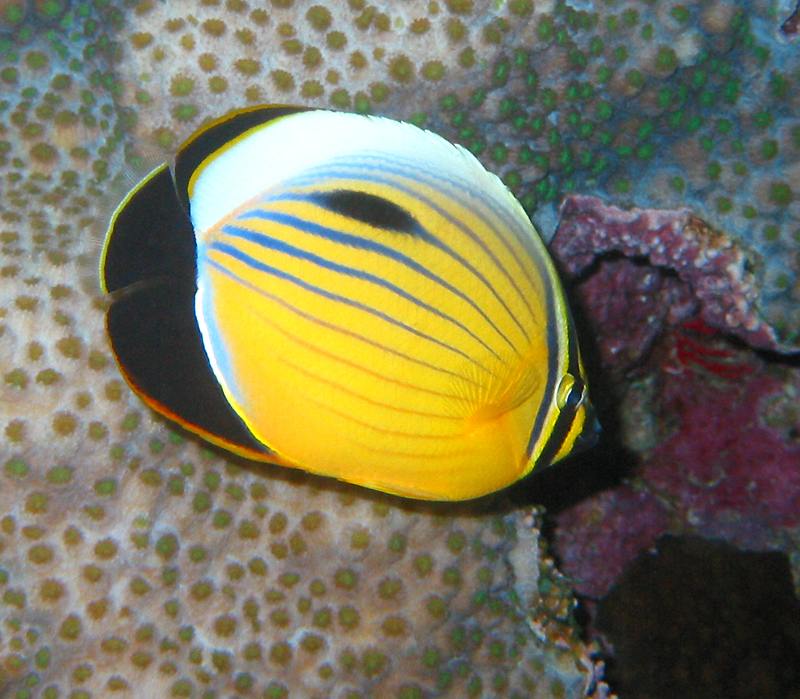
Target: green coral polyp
340,98
769,149
401,69
433,70
780,193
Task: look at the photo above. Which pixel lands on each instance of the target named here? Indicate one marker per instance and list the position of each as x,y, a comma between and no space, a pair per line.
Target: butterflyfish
348,295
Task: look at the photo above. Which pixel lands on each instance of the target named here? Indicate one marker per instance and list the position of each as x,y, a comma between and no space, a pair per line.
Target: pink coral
718,270
671,314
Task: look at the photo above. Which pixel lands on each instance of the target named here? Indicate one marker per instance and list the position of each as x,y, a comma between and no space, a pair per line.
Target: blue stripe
535,256
522,236
271,243
231,251
314,179
318,321
412,171
361,243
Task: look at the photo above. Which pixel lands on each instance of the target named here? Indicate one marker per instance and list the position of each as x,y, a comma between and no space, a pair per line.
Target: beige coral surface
135,561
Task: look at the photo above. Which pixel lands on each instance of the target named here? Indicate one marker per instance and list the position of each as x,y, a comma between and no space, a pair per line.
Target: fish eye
570,392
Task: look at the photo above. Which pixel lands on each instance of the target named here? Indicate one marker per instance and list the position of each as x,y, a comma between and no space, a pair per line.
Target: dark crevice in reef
702,620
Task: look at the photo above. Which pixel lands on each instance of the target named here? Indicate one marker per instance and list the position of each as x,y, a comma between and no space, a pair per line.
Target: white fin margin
270,154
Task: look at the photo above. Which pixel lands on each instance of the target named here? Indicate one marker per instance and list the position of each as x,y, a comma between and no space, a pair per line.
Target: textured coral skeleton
133,561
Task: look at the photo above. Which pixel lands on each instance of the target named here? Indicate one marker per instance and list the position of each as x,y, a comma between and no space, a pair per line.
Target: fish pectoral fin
505,385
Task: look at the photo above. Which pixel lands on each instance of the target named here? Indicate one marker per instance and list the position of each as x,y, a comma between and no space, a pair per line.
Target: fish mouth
591,431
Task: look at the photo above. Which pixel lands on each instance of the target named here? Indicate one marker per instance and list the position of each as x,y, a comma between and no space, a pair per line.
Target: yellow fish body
349,295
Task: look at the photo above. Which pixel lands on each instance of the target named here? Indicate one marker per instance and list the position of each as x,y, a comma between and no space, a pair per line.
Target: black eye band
575,396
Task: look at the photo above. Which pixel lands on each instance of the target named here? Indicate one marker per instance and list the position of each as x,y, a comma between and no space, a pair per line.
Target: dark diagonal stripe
436,242
385,430
331,326
458,185
412,171
322,351
361,243
231,251
553,339
270,243
347,390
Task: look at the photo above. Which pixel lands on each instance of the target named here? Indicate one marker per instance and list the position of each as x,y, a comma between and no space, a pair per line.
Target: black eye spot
367,208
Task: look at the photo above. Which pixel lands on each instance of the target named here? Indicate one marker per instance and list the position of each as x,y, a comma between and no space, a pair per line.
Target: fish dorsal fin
220,134
307,143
